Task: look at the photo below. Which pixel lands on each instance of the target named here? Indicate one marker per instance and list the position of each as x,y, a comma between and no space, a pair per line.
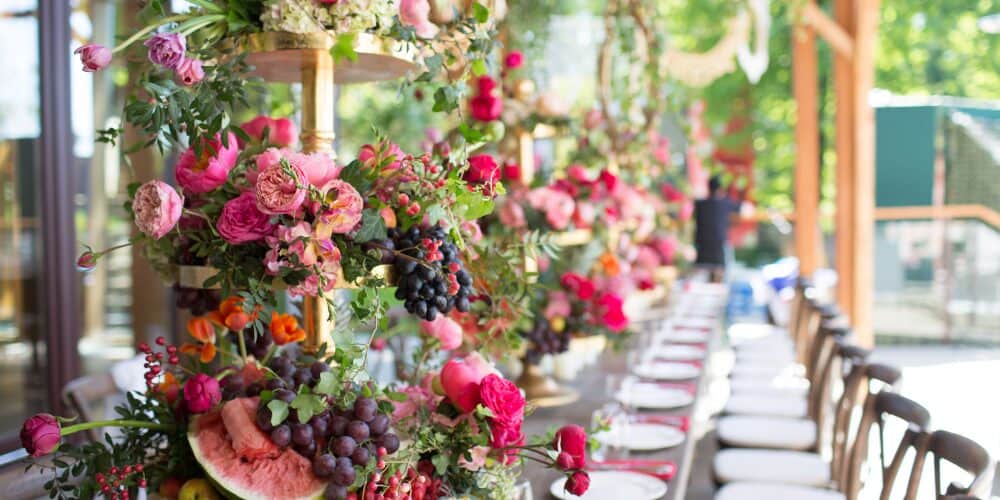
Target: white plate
677,352
695,322
655,397
608,484
688,336
643,437
667,371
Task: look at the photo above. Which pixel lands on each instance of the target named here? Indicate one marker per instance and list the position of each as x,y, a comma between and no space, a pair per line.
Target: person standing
711,218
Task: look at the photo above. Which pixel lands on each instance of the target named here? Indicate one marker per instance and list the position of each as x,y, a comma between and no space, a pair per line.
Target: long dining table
592,386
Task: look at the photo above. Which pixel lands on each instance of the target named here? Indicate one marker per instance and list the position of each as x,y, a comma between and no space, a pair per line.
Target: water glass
614,418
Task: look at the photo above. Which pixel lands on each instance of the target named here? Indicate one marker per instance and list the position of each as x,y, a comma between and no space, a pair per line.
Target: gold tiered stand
305,58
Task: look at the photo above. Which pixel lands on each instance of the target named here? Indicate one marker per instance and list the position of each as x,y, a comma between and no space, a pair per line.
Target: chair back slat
965,454
80,394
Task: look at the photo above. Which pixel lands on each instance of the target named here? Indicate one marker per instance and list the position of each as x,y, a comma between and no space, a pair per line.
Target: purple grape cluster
336,440
544,340
198,301
432,278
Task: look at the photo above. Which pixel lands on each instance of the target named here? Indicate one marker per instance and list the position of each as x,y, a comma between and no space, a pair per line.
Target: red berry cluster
432,253
154,360
114,483
413,485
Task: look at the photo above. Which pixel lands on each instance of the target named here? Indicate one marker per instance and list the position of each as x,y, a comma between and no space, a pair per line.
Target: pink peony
460,379
511,214
201,393
281,132
241,222
201,174
483,171
340,211
166,49
513,60
190,71
612,315
94,57
445,329
40,435
504,400
157,208
416,13
578,284
280,191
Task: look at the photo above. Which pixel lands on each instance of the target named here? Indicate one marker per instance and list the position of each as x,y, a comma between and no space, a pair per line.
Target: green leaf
479,67
279,411
327,384
344,48
372,227
398,397
441,463
472,204
480,12
308,405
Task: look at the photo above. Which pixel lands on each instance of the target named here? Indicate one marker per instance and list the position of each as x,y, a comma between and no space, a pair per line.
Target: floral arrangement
257,417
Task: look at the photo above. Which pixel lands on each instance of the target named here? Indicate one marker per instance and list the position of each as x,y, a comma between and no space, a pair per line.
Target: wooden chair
83,393
962,452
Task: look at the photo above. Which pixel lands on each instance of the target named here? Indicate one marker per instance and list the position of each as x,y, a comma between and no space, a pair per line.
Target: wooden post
843,76
804,87
864,171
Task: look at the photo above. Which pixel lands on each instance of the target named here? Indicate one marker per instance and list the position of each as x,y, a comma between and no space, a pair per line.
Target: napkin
661,469
682,422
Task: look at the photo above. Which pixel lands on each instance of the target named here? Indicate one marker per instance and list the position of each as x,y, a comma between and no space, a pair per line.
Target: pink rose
514,59
584,215
572,440
503,398
341,211
445,329
166,49
201,393
558,305
415,13
577,173
612,315
483,171
318,167
190,71
511,214
94,57
157,208
281,132
241,222
578,284
279,191
41,434
201,174
485,107
578,483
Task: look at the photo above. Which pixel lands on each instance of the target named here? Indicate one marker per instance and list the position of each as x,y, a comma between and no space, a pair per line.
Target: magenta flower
280,191
166,49
201,174
40,435
241,222
94,57
190,71
157,208
201,393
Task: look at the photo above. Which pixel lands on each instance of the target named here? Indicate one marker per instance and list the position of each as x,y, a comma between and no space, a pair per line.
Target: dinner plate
654,397
677,352
686,336
642,437
667,371
609,484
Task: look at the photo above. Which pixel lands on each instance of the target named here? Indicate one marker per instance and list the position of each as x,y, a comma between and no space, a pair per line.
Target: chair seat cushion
747,431
779,466
776,405
773,491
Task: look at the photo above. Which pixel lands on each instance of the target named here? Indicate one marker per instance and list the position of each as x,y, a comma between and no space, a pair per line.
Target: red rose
485,107
485,85
503,398
611,313
571,440
566,187
514,59
581,286
40,435
512,172
578,483
483,171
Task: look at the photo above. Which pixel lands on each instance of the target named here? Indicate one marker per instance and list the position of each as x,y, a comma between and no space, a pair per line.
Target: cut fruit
243,462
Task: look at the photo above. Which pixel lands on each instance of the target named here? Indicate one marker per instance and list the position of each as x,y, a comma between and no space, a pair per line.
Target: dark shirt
711,217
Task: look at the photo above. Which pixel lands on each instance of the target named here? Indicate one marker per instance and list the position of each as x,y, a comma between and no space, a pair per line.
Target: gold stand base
542,390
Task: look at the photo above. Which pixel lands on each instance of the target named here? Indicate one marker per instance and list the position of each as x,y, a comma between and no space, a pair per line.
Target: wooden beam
981,213
866,28
832,32
805,85
843,76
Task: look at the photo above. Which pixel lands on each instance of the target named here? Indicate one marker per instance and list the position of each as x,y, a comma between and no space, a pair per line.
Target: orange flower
285,329
202,330
169,387
231,315
609,264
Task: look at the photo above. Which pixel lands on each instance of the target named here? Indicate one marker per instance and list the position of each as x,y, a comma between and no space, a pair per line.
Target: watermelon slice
243,462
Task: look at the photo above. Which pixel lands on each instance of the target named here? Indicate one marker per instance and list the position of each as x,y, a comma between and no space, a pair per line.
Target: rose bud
87,261
572,440
94,57
578,483
40,435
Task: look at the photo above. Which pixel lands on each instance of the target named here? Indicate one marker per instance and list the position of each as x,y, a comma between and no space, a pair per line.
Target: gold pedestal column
318,120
